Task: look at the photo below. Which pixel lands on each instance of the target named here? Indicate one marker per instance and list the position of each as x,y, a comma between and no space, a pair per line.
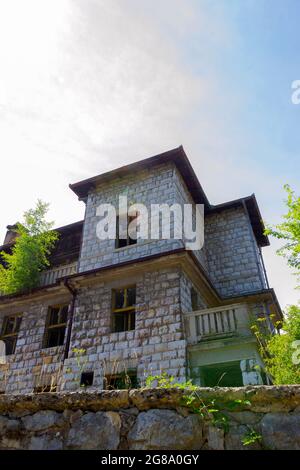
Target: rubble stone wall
151,419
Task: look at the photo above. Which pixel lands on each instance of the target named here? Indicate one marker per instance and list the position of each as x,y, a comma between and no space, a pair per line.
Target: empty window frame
127,240
56,326
87,379
124,380
10,330
123,309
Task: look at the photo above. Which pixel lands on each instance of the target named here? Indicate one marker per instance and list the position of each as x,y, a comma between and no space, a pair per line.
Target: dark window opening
10,330
123,309
125,240
56,326
87,379
124,380
194,299
222,375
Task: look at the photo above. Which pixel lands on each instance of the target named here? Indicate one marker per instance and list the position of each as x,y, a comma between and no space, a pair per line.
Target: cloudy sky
89,85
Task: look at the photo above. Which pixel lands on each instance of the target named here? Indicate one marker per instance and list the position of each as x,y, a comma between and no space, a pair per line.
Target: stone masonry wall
31,366
231,253
157,344
152,186
151,419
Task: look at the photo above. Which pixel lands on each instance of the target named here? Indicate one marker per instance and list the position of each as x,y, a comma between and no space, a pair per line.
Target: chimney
11,234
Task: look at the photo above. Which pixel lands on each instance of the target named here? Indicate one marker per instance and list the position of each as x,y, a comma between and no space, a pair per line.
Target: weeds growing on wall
208,409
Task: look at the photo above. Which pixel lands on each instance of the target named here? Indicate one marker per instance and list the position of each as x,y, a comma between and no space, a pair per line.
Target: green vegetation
280,351
250,437
289,230
29,255
208,409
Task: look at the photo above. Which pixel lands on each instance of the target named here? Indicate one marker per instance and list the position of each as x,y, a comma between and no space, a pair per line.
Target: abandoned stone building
109,313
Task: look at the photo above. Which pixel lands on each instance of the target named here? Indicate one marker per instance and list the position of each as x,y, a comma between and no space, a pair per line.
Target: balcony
51,275
220,322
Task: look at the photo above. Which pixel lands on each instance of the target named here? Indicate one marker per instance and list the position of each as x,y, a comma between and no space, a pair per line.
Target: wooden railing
218,322
51,275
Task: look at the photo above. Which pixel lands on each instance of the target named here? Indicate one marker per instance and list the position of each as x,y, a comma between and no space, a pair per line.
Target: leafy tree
289,230
283,359
29,255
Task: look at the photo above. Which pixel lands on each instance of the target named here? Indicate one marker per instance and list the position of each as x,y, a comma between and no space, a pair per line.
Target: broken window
56,326
10,330
123,309
87,379
124,380
127,240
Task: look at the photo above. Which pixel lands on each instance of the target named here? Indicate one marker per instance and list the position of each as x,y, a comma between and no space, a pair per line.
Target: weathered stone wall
156,345
151,419
231,251
32,365
153,186
230,254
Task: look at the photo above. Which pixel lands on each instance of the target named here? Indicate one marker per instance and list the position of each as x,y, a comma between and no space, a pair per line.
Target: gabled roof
180,159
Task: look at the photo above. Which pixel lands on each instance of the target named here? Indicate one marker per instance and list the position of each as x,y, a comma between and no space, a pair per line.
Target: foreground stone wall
150,419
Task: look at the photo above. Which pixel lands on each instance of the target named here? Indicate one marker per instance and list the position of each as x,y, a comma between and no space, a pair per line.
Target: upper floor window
123,309
10,330
56,326
127,241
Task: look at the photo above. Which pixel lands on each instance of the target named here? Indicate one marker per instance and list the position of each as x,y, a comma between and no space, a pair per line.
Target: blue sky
88,85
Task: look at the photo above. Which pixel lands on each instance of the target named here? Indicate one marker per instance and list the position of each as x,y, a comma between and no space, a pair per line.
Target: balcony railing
51,275
213,323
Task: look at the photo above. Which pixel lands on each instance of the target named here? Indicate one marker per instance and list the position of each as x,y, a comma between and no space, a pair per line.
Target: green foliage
206,408
282,349
30,252
250,437
281,352
289,230
166,381
81,362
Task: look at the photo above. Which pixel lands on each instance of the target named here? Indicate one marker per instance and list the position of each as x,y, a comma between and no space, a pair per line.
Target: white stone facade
229,259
